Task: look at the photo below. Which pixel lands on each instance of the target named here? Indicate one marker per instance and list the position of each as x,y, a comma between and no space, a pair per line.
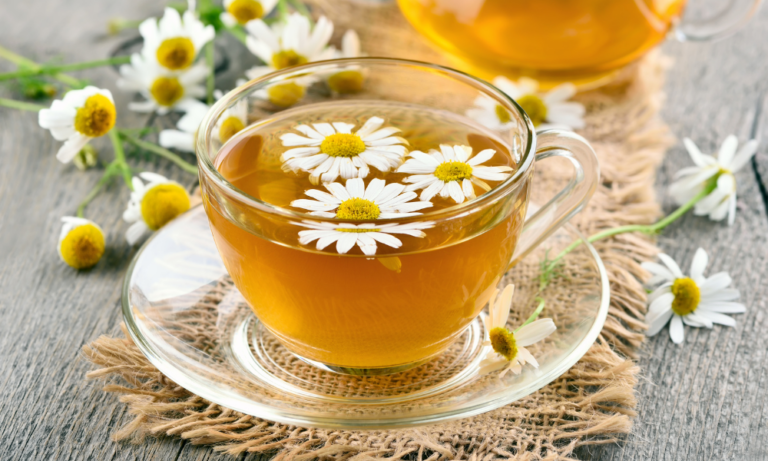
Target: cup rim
203,141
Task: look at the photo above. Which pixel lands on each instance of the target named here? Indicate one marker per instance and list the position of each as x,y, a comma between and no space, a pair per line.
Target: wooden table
707,399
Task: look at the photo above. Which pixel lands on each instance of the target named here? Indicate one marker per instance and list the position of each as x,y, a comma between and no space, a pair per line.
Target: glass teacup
553,41
356,309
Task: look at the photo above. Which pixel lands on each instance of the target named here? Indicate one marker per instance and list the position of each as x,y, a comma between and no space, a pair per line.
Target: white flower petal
672,265
655,325
722,307
716,317
727,150
535,332
676,330
698,265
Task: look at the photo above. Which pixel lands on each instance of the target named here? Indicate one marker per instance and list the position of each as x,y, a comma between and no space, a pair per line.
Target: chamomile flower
546,110
183,138
451,172
697,301
715,175
154,204
243,11
81,242
333,150
357,202
349,79
232,120
163,91
509,352
81,116
365,235
174,41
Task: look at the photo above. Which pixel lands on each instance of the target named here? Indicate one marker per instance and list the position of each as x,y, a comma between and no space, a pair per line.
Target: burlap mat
592,403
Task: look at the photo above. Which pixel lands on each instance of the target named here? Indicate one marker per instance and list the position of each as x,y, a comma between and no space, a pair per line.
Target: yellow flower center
346,81
453,171
162,203
167,91
502,114
287,58
342,145
96,117
358,209
534,107
355,231
503,342
687,296
230,127
83,246
285,94
245,10
176,53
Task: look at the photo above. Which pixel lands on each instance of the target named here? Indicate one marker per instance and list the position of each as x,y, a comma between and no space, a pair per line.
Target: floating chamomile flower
174,41
715,175
153,205
164,91
509,352
365,235
697,301
356,202
451,173
243,11
81,116
349,79
183,138
333,150
81,242
546,110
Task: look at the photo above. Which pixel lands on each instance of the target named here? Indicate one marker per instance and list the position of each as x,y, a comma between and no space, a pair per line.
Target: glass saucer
186,316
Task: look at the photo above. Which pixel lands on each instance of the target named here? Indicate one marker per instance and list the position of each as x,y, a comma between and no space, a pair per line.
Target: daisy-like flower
174,41
715,176
183,138
81,116
81,242
356,202
232,120
349,79
452,172
697,301
365,235
243,11
333,150
153,205
509,352
546,110
164,91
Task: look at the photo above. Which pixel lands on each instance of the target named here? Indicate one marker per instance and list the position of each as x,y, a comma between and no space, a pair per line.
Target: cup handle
720,24
570,200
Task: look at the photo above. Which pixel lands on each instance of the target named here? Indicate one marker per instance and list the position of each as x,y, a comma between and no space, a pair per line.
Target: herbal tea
376,294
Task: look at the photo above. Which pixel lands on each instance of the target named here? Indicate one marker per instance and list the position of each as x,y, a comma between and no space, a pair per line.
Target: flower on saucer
349,79
81,116
697,301
174,41
333,150
356,202
365,235
81,242
546,110
243,11
154,204
183,138
451,173
509,352
715,176
163,91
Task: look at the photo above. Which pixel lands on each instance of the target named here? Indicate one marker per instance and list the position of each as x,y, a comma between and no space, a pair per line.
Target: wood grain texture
707,399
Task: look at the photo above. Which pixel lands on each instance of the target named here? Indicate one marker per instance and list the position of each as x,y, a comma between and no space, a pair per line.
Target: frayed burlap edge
592,403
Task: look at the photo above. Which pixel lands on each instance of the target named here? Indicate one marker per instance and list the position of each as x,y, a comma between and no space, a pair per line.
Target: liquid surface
397,307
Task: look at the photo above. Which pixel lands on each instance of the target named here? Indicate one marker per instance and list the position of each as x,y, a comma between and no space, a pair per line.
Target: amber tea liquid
401,306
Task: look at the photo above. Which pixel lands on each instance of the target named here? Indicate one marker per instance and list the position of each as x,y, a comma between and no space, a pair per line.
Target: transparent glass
555,41
377,314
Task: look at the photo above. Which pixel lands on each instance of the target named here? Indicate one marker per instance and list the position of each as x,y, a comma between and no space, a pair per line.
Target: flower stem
210,83
47,70
282,9
119,161
238,33
108,173
533,316
21,61
301,8
21,105
162,152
